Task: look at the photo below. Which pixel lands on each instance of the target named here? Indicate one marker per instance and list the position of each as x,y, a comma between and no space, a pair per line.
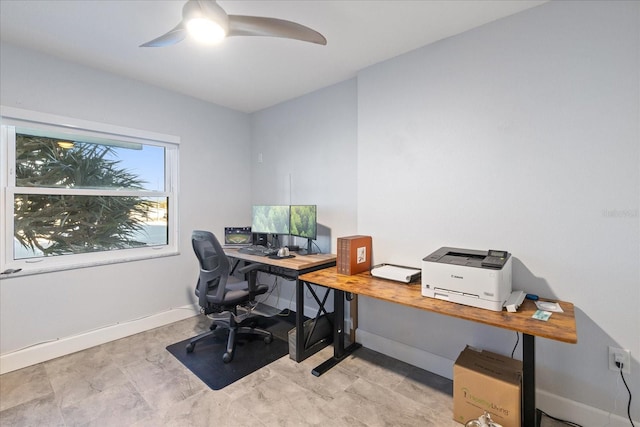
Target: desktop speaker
260,239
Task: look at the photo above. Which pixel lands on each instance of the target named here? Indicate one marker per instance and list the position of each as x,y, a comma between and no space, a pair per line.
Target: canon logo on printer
453,276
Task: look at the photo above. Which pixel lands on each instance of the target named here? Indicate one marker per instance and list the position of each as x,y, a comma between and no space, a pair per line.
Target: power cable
628,391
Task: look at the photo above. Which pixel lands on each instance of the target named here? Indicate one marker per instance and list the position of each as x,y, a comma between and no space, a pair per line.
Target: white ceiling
242,73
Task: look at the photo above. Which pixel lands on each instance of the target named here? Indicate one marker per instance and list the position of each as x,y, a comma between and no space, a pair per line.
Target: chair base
234,329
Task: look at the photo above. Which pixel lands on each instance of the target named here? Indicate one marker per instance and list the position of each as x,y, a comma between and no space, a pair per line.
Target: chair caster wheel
226,358
190,347
267,340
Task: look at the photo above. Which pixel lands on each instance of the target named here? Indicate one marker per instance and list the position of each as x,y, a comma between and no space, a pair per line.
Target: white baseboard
551,404
411,355
565,409
46,351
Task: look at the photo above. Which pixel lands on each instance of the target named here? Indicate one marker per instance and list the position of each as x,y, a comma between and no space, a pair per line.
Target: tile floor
134,381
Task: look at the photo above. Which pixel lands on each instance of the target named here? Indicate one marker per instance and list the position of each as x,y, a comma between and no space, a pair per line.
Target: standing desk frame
291,269
560,327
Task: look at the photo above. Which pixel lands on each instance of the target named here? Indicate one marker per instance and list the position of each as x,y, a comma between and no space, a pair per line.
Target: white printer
466,276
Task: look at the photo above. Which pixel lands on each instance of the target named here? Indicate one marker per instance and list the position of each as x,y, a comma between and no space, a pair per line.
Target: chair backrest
214,268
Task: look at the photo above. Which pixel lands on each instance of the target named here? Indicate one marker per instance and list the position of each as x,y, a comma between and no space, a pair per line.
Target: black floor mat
251,352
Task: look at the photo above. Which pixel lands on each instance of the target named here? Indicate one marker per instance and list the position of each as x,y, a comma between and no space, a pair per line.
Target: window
77,193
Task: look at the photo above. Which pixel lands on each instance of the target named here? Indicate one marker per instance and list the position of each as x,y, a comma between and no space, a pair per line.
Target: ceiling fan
208,22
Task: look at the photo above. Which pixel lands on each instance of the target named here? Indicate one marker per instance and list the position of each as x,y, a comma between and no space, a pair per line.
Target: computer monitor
237,236
270,219
304,223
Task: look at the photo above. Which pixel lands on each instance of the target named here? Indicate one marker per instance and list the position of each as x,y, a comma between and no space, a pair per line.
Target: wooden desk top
559,327
297,263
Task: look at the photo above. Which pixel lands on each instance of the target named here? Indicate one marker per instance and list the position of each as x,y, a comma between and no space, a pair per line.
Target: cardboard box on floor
486,381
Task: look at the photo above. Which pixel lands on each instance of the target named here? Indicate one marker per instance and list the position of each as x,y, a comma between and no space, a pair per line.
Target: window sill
31,269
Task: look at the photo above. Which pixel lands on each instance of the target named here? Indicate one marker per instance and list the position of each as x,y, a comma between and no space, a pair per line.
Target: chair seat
237,291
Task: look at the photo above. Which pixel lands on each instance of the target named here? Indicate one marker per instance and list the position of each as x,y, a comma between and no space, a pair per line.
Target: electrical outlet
622,356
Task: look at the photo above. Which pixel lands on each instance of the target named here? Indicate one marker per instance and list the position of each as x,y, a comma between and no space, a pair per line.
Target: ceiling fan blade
211,9
174,36
240,25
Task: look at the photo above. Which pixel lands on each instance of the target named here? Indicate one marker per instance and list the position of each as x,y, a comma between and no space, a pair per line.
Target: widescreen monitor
270,219
304,221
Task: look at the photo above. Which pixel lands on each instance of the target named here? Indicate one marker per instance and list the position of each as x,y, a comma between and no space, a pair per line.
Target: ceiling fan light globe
205,30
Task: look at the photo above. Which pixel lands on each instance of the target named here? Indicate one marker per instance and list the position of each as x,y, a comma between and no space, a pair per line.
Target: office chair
221,294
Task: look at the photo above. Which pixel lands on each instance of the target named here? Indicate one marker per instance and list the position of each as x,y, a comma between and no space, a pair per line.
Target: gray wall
214,141
308,151
520,135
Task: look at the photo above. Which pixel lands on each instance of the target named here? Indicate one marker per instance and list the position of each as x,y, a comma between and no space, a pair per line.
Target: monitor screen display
304,221
270,219
237,235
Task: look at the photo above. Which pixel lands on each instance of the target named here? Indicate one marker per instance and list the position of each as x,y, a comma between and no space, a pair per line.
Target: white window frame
10,118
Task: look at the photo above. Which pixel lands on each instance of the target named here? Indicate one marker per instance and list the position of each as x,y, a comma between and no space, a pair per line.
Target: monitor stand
275,241
309,250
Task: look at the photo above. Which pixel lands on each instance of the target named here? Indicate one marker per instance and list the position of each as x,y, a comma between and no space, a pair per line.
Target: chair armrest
252,279
248,268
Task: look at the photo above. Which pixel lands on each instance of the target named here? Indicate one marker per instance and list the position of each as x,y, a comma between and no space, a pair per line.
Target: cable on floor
628,391
287,310
569,423
267,295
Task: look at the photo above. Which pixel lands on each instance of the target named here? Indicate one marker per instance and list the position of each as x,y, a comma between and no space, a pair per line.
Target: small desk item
513,302
560,327
354,254
396,272
258,250
281,257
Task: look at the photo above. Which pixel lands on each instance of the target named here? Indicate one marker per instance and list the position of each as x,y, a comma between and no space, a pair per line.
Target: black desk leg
300,350
339,351
528,380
